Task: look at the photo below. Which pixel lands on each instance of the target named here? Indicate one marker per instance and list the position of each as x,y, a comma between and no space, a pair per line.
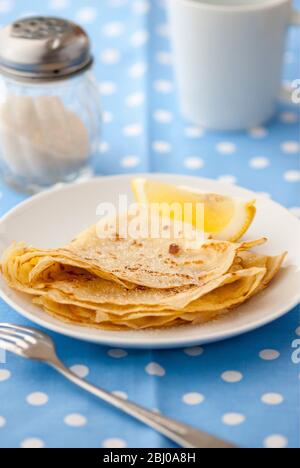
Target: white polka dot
107,117
141,7
193,162
228,179
193,398
275,441
194,132
110,56
232,376
290,147
107,88
164,58
162,147
87,14
104,147
4,375
226,147
2,421
155,369
117,353
289,117
120,394
272,399
297,331
37,399
138,70
133,130
163,86
292,176
269,354
114,443
130,161
295,210
135,100
6,6
139,38
163,116
259,162
163,30
195,351
32,443
75,420
233,419
258,132
113,29
59,4
80,370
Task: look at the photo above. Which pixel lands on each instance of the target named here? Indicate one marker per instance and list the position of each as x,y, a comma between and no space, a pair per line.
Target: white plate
53,218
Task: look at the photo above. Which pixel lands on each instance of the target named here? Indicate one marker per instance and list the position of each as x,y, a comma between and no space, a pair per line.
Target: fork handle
182,434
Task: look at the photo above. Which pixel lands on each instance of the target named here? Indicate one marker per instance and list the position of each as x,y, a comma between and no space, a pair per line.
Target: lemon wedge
222,217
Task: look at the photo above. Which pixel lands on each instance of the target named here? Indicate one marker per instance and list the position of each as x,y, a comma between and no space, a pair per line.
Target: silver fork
33,344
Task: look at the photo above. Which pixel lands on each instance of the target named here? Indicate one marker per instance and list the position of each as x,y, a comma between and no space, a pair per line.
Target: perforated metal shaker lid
43,49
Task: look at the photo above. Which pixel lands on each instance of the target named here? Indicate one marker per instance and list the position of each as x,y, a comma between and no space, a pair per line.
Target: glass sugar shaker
50,113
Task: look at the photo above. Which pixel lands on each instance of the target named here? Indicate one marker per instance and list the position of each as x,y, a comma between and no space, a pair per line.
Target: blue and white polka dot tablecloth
245,389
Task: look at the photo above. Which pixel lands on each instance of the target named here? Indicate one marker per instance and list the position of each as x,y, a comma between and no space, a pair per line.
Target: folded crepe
236,289
119,283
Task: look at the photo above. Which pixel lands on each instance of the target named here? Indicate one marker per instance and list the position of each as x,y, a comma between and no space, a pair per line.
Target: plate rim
115,338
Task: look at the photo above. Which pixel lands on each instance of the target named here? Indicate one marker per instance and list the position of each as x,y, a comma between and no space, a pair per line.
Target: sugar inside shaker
50,114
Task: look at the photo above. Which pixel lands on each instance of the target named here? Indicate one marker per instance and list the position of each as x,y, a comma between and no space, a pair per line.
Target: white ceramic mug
228,57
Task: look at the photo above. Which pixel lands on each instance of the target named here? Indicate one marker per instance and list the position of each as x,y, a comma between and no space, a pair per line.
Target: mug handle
287,91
